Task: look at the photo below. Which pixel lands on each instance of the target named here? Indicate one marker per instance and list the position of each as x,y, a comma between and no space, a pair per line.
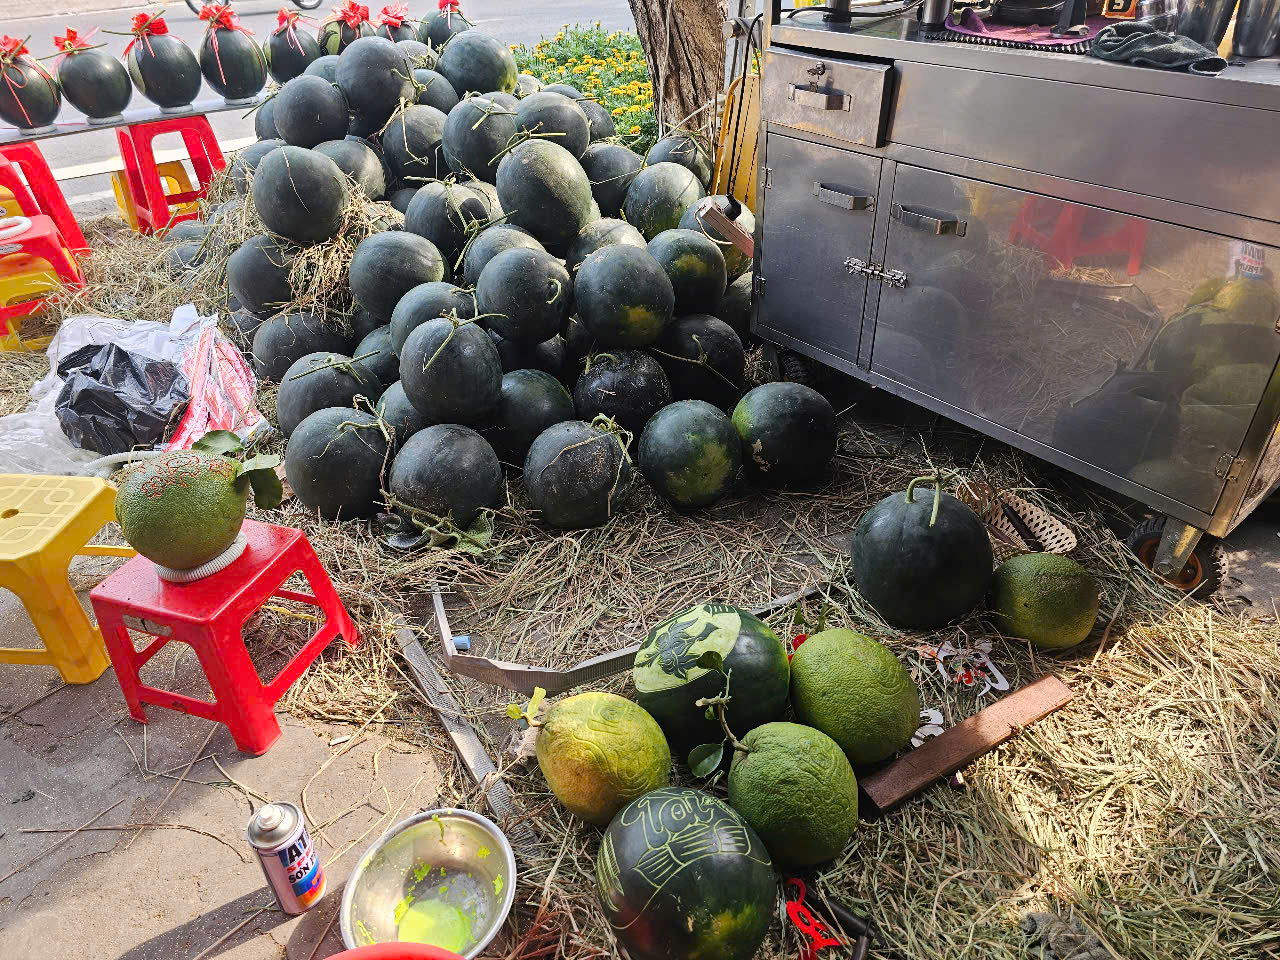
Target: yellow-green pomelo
854,690
1046,598
599,751
182,509
797,789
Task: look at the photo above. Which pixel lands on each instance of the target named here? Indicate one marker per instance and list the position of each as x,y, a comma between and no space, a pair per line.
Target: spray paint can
279,836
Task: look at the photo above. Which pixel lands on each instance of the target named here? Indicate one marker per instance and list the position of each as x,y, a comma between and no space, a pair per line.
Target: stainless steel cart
1075,257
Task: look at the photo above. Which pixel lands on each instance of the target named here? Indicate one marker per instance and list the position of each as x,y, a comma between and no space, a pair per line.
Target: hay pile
1146,808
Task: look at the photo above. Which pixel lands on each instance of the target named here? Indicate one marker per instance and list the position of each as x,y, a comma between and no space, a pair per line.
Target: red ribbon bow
285,19
71,41
449,5
11,48
351,13
143,27
394,15
220,16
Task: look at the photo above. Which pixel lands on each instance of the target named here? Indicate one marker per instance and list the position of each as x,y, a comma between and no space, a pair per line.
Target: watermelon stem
344,363
937,493
719,703
701,360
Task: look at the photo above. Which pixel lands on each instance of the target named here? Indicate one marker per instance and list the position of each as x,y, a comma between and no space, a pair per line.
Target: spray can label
288,858
302,870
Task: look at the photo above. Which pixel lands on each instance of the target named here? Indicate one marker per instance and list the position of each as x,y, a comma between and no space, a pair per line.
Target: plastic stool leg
155,211
242,705
41,180
123,657
200,161
327,597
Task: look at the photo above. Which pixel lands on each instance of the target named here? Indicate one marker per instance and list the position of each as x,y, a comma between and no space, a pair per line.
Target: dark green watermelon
299,194
289,337
388,265
690,453
525,295
565,90
310,110
576,474
489,194
335,462
411,143
362,322
545,190
95,83
428,301
599,120
445,472
244,326
375,76
788,432
440,27
714,902
531,401
433,90
325,67
320,380
474,62
339,31
623,296
696,268
184,256
357,160
447,214
489,243
628,385
258,274
704,359
289,51
186,230
659,196
555,116
233,64
526,84
401,197
685,150
451,371
735,261
610,168
396,29
579,343
264,120
419,55
597,234
669,682
475,134
548,356
405,419
164,70
376,353
921,558
246,161
735,306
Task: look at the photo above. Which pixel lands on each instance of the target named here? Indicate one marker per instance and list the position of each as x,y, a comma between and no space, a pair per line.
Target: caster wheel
1204,571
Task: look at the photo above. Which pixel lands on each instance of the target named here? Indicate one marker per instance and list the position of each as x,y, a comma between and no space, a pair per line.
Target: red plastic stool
143,177
1065,242
20,254
40,193
209,615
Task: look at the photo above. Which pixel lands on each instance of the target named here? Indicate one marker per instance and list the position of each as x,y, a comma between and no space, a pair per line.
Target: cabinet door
1141,348
818,211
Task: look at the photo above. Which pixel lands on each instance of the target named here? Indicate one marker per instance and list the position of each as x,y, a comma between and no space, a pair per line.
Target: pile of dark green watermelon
553,300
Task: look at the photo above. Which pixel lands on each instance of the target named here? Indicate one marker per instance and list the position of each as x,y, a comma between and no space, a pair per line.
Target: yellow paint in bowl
436,924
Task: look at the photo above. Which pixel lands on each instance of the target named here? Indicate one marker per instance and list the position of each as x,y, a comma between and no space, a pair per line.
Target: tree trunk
684,47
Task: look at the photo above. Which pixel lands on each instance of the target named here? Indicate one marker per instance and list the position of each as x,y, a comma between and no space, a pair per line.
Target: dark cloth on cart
1143,45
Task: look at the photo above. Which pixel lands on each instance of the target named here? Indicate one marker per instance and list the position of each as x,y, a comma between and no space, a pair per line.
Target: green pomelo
797,789
681,876
598,752
669,681
854,690
1046,598
182,509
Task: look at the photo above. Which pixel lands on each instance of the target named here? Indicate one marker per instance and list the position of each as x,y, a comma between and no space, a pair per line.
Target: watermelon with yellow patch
690,453
681,876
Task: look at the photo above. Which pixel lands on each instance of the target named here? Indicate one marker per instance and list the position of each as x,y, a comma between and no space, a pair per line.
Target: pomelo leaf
260,473
221,442
705,759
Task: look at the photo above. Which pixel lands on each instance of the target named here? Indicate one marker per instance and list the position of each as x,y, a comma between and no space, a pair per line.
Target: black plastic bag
114,401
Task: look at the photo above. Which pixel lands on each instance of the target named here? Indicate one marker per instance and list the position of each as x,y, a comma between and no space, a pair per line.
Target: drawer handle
922,221
808,95
838,198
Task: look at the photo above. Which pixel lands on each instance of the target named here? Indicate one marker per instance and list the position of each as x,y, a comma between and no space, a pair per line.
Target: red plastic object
209,615
41,241
396,951
40,193
143,178
1066,239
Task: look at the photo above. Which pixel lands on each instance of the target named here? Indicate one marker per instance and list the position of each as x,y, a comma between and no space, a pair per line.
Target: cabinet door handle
838,198
922,221
808,95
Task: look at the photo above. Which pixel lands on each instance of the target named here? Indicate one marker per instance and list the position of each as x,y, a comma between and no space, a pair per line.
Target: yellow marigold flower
551,60
514,46
634,108
618,111
581,69
635,130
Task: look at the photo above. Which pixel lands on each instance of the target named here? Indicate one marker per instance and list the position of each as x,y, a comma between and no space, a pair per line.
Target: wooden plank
965,742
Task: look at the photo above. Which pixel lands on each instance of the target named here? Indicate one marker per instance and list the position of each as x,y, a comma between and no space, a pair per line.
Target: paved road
509,20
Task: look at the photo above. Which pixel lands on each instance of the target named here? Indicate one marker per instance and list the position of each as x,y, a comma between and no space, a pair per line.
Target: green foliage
607,66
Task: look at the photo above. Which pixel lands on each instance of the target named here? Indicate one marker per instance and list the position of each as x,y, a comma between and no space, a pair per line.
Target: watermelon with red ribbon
343,26
289,51
162,67
439,28
93,81
230,59
29,97
395,25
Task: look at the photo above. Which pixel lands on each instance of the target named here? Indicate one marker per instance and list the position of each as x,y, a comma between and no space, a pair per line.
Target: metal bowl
450,872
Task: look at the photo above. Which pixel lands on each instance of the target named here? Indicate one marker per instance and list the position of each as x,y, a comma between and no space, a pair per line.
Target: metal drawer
1127,362
818,212
844,99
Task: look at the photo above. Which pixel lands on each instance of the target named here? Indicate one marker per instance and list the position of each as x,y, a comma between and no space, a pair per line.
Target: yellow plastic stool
44,522
9,203
174,177
24,278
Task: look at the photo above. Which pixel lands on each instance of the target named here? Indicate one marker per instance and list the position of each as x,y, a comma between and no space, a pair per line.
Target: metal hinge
895,278
1228,467
768,178
759,286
